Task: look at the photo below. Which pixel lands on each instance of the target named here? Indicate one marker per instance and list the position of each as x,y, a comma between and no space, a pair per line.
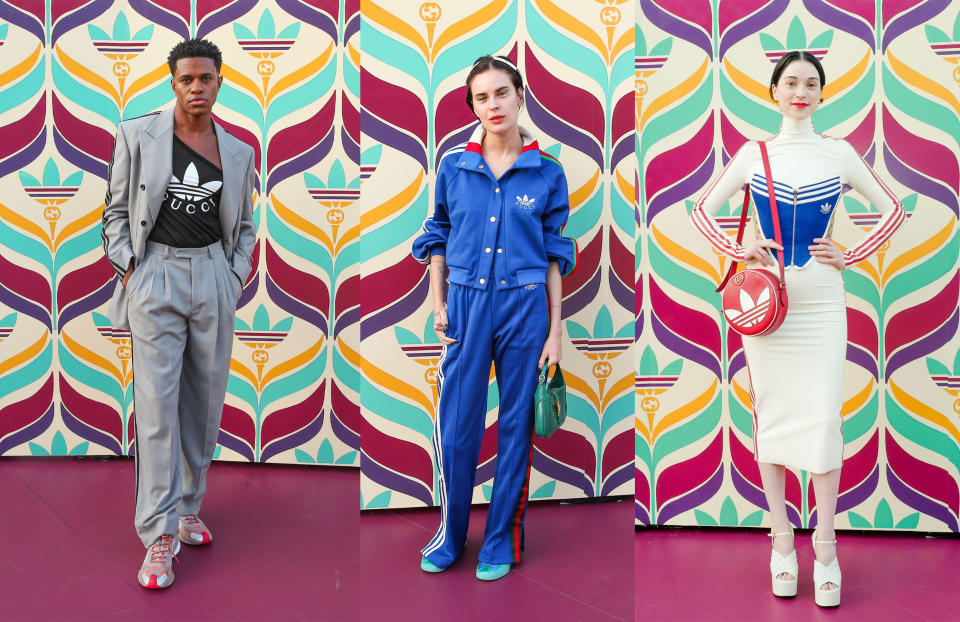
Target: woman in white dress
796,372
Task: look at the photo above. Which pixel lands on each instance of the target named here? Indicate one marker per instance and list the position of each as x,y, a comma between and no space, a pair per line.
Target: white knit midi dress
796,372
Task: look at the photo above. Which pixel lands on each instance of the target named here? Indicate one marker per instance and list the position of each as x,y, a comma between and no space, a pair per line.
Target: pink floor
577,566
289,544
286,543
719,575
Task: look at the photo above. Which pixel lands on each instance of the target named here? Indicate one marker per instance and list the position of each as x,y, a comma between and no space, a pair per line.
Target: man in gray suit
178,229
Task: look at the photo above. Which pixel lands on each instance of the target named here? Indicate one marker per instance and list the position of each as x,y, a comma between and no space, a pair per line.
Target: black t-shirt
189,215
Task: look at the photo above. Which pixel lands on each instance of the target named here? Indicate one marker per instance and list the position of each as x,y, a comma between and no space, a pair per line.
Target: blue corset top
804,213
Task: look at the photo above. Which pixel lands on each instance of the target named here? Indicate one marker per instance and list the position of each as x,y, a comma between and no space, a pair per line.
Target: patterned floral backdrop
576,56
893,91
69,72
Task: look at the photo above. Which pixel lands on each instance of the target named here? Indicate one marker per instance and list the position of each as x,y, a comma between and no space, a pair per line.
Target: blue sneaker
428,566
491,572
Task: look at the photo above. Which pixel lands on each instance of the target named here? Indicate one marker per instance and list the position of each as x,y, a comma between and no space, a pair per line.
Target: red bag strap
743,224
773,210
743,217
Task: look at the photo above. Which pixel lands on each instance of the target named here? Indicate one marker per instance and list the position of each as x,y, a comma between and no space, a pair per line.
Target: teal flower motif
120,45
796,40
73,79
335,192
266,43
262,333
6,325
728,516
369,160
943,378
427,350
942,44
117,336
865,216
261,336
52,190
382,500
602,342
58,447
651,378
648,62
883,519
651,381
325,455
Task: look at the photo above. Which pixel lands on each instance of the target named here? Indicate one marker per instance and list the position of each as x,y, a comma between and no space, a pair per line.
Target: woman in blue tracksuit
501,204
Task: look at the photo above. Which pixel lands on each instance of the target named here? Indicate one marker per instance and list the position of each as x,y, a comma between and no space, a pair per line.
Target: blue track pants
506,327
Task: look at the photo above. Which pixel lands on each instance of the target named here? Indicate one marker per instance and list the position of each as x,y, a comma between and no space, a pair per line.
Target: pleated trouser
182,303
507,328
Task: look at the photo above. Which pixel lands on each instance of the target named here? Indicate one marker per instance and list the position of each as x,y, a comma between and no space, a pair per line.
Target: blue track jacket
508,228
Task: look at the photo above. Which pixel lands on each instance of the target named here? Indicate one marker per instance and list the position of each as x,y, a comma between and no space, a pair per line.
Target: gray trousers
182,303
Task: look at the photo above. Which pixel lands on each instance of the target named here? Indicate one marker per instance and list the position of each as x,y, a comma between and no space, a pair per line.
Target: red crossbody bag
755,300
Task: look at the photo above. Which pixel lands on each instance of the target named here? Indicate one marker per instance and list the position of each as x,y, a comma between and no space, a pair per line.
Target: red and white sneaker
157,569
192,530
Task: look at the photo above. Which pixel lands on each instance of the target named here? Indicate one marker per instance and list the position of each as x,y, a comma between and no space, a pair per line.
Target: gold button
503,282
488,250
482,281
481,166
493,219
499,250
497,190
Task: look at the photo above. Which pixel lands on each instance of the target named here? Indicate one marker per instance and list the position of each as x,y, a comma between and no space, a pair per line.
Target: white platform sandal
780,564
826,574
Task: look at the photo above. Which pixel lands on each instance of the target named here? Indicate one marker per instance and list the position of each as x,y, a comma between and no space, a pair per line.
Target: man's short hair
194,48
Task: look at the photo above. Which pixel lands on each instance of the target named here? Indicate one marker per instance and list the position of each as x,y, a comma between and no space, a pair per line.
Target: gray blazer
136,180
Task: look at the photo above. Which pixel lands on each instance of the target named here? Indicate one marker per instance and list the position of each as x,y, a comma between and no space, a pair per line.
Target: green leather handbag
549,403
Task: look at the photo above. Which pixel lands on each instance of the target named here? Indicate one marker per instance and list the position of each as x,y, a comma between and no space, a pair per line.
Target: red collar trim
475,147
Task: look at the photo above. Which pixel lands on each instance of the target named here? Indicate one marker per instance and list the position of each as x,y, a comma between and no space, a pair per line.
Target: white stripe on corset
788,187
829,193
807,193
441,534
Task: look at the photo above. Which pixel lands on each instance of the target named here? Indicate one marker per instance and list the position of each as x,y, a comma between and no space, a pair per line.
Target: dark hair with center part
493,62
194,48
788,58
